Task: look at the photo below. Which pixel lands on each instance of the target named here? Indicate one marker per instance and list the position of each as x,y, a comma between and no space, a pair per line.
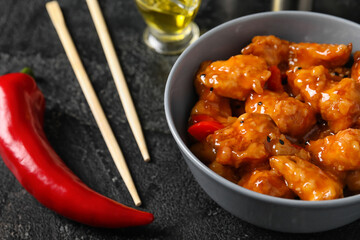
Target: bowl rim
224,182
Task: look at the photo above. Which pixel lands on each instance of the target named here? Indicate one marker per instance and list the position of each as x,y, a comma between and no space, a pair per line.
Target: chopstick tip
138,203
145,154
147,159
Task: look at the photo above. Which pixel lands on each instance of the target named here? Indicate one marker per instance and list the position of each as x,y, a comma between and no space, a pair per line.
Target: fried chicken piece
309,83
266,182
338,176
312,54
210,103
337,74
283,147
226,172
337,102
203,151
340,104
355,69
340,152
292,116
307,180
252,138
236,77
245,140
199,85
274,50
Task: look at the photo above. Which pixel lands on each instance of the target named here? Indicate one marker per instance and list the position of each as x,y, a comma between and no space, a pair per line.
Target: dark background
182,210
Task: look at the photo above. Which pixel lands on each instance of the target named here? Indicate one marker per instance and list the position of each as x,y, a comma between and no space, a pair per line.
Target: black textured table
182,209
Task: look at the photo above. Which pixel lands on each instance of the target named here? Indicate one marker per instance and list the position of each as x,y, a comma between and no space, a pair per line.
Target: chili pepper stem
28,71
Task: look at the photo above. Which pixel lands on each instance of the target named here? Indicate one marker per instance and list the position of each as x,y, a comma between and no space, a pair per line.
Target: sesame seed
281,142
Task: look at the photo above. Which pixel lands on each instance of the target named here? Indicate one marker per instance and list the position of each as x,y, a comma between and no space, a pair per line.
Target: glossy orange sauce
302,142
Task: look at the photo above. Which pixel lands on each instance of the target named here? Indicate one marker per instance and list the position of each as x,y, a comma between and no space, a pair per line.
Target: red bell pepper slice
202,129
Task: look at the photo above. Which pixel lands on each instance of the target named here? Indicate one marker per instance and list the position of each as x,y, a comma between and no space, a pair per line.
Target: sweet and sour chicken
237,76
281,119
292,116
338,102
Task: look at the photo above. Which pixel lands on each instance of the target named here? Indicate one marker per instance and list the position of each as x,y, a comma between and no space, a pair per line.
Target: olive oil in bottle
168,16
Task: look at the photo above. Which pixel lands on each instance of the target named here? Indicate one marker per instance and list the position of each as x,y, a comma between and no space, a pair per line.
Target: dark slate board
182,210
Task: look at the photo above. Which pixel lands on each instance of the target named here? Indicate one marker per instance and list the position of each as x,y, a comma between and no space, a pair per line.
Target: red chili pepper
202,129
274,82
27,153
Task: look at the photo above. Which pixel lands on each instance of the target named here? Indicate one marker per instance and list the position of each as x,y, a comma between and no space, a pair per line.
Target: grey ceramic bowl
220,43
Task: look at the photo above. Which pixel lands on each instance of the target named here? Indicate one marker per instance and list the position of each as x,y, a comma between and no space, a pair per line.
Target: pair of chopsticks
58,21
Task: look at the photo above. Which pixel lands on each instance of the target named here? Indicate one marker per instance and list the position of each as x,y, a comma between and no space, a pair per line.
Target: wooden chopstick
58,21
118,76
